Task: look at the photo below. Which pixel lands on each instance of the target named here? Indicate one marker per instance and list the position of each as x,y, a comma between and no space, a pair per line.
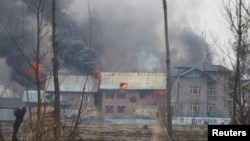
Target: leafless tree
36,8
239,21
55,62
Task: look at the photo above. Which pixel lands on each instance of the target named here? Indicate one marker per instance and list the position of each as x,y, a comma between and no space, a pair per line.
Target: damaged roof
74,83
113,80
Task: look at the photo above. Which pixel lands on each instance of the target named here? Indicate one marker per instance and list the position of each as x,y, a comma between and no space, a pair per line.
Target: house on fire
72,88
202,91
132,93
116,93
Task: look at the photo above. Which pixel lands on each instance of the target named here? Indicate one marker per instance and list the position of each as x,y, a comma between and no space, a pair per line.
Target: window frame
121,95
211,92
109,109
194,107
120,109
110,95
193,90
211,107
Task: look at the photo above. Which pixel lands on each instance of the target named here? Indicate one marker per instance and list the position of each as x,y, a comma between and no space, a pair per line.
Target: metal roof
11,102
74,83
203,66
31,96
112,80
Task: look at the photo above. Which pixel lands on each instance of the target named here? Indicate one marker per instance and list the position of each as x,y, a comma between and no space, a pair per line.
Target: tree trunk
55,74
237,69
168,77
36,68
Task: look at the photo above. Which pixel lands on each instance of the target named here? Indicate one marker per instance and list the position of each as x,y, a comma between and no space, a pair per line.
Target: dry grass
30,126
107,132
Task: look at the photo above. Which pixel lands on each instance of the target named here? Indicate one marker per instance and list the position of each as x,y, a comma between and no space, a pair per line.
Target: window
227,103
195,90
71,99
121,95
194,107
211,107
110,95
211,92
85,98
226,87
109,109
120,109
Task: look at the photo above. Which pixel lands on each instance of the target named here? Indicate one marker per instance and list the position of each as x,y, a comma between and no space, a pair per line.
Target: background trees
236,14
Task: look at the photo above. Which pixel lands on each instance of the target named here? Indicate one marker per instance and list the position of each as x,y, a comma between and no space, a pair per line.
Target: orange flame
123,85
31,71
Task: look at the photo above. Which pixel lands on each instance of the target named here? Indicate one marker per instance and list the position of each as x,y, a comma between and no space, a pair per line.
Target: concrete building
7,106
132,93
202,91
30,98
73,90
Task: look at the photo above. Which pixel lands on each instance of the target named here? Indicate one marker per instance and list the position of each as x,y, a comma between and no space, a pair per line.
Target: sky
124,36
187,19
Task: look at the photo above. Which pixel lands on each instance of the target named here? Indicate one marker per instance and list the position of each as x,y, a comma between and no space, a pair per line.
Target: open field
113,132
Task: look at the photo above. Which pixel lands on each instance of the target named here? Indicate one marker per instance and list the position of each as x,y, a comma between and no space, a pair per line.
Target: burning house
42,73
132,93
73,90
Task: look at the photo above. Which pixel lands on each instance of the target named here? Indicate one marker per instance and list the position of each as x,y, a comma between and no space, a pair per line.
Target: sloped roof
203,66
31,96
112,80
74,83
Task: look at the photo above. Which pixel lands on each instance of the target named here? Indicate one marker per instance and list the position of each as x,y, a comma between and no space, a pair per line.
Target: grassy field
113,132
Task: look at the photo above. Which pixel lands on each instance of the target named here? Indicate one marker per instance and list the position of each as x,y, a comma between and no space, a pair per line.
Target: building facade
132,93
75,91
202,91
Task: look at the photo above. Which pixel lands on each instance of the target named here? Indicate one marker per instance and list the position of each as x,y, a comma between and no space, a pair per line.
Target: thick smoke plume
123,35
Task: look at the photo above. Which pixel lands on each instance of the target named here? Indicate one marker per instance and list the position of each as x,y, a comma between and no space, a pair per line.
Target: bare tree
239,22
36,7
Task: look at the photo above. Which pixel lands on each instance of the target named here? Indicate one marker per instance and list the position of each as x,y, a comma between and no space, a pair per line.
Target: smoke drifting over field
125,35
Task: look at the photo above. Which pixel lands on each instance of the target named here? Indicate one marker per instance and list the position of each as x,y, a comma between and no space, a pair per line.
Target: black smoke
121,36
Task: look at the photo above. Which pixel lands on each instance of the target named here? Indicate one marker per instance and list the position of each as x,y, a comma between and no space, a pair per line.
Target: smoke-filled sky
130,33
125,35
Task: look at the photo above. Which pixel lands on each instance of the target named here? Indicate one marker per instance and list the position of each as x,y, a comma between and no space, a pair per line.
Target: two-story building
132,93
74,90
